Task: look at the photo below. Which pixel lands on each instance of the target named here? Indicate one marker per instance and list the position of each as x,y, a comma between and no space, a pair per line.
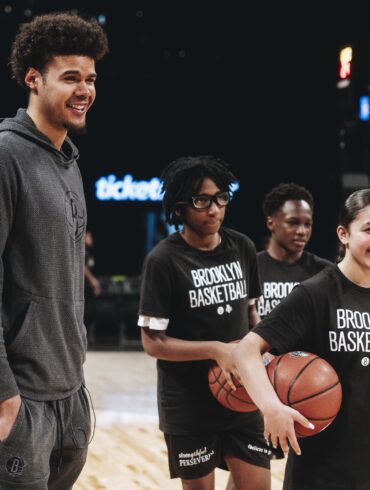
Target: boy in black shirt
198,294
288,210
328,315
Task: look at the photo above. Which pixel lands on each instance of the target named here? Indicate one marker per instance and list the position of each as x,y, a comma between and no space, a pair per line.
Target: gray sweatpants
47,447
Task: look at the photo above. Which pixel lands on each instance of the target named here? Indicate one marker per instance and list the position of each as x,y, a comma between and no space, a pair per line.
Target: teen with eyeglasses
199,288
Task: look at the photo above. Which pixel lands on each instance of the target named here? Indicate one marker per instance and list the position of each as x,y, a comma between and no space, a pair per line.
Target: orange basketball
309,384
237,400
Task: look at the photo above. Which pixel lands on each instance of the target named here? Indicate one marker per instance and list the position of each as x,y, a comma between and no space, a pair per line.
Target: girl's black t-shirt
205,295
329,315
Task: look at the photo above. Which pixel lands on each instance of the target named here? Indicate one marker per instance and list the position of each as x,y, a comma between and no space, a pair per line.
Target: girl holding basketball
199,287
328,315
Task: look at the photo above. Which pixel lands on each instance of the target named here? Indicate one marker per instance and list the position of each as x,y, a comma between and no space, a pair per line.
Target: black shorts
195,456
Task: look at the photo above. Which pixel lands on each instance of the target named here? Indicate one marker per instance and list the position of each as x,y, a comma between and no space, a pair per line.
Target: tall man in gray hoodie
44,410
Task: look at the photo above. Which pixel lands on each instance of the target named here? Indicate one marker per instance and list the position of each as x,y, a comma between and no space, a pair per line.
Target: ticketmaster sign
111,188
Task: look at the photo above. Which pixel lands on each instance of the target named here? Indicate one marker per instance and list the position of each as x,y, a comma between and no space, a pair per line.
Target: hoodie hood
23,125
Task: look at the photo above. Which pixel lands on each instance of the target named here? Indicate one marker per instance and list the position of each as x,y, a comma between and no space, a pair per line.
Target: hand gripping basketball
237,400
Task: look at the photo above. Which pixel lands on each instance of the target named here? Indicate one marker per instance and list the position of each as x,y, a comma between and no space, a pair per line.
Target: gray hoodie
42,225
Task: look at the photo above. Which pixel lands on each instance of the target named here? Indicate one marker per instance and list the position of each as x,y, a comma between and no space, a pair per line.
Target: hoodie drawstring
91,406
60,431
57,408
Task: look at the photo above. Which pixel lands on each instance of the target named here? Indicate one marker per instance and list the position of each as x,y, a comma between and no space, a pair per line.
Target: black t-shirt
279,278
330,316
204,294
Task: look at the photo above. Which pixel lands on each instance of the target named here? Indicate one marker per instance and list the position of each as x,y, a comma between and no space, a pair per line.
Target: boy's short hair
55,34
283,192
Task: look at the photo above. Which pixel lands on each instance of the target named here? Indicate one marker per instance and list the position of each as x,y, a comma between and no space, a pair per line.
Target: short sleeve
290,325
156,290
153,323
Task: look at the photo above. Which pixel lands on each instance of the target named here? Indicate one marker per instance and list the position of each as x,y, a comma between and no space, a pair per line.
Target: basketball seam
221,388
275,371
230,394
315,394
297,376
322,419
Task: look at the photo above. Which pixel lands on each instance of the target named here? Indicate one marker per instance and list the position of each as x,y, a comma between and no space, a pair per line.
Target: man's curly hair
277,197
183,177
55,34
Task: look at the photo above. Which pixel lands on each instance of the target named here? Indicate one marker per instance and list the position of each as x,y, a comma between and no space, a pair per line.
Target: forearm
279,419
247,356
8,201
253,315
89,276
8,385
173,349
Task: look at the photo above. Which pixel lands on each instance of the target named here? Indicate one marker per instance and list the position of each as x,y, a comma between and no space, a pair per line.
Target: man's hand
9,410
95,286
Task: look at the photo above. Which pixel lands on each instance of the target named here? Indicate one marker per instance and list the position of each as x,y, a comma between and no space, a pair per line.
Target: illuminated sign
111,188
345,60
365,108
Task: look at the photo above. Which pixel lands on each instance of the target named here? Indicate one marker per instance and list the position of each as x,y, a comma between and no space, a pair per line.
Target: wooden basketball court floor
128,451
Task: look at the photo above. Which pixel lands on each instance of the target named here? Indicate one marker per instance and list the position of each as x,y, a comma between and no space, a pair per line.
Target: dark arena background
262,87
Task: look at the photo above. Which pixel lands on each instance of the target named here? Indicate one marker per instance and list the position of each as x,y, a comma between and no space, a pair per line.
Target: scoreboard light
345,63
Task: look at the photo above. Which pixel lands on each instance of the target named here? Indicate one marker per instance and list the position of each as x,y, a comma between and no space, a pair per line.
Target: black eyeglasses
205,201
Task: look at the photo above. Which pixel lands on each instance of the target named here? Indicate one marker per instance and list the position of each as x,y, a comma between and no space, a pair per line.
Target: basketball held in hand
309,384
237,400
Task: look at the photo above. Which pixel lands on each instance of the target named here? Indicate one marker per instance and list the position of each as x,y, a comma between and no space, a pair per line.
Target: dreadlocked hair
182,179
276,198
